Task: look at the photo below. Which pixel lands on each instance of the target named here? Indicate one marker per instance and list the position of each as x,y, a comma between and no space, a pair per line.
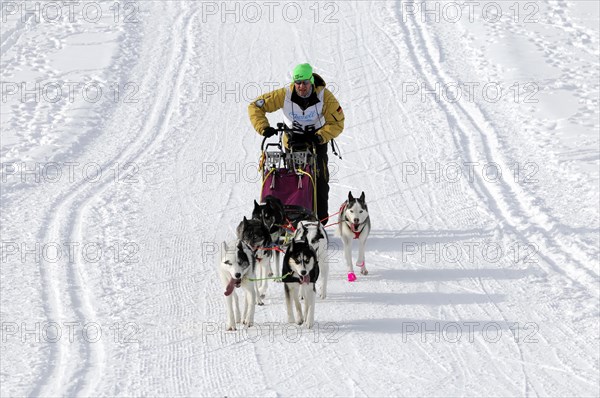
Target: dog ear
256,205
350,197
268,240
304,232
245,221
318,236
362,197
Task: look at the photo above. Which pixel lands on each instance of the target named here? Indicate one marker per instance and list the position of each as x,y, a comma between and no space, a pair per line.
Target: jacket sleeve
334,117
266,103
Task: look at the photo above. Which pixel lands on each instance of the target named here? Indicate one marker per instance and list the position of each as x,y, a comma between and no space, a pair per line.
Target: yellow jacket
274,100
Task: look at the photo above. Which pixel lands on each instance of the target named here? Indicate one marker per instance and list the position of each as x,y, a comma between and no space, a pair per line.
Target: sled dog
354,223
300,273
272,215
236,268
315,234
255,235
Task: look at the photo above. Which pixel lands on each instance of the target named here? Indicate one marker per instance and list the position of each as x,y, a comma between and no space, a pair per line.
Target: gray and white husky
236,268
354,223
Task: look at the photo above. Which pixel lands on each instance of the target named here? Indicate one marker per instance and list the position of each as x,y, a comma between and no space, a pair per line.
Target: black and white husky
236,268
255,235
354,223
300,273
317,238
272,215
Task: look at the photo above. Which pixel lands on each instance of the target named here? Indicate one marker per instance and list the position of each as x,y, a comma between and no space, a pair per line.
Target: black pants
322,183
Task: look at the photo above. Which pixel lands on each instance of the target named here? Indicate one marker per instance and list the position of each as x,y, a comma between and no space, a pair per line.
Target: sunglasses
302,82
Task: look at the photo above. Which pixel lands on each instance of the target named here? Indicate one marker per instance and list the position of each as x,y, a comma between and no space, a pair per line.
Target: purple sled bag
290,188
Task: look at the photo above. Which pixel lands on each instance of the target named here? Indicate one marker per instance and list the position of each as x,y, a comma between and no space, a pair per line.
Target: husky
272,215
315,234
300,273
236,268
254,235
354,223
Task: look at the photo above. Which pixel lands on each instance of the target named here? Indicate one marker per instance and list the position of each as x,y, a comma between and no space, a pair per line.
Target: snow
484,254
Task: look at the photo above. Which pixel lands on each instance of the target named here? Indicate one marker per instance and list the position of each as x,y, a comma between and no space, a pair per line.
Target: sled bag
290,188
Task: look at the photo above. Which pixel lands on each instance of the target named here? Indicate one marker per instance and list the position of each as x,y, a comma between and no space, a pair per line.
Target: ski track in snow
178,214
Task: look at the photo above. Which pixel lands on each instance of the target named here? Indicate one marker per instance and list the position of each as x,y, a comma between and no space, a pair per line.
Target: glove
269,132
313,136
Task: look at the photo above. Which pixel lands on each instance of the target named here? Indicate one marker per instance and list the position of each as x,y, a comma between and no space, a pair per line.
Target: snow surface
114,203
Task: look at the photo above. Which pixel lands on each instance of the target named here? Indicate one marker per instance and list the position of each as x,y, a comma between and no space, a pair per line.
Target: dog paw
364,271
262,296
231,328
270,274
300,322
351,276
260,303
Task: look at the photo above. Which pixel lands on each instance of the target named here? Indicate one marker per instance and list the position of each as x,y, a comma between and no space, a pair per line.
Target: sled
289,174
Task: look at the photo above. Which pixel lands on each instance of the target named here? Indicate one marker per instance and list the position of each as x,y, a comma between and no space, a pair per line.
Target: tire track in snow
357,63
502,207
498,197
465,148
64,377
213,357
455,353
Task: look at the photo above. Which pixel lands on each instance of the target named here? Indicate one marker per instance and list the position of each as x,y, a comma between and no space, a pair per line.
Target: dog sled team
293,212
249,260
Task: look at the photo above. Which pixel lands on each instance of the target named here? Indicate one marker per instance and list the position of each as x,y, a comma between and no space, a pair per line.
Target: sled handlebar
282,128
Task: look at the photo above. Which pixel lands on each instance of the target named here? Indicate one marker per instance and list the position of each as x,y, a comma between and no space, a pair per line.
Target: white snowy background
127,157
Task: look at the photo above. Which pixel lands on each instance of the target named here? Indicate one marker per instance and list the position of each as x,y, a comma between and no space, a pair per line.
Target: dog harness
357,232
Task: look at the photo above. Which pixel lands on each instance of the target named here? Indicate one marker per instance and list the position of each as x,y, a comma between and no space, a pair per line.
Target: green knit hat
303,72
